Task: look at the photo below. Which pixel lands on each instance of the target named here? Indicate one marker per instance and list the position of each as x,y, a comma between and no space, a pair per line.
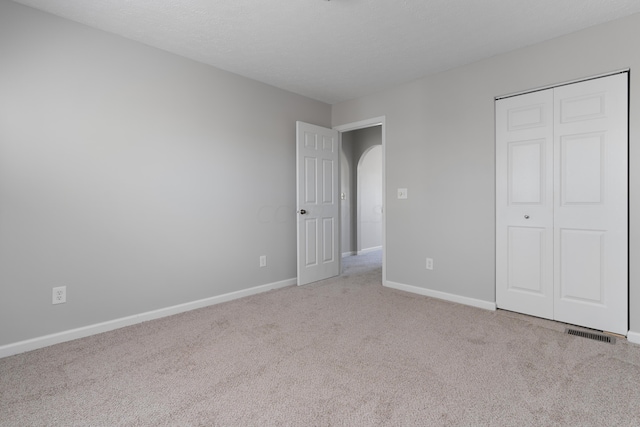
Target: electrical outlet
263,260
59,295
429,263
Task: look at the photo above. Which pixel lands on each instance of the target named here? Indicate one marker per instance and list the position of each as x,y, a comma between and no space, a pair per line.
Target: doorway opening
361,191
362,226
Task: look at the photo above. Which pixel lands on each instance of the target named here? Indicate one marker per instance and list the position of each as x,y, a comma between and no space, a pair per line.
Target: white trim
367,250
611,73
487,305
633,337
367,123
85,331
346,254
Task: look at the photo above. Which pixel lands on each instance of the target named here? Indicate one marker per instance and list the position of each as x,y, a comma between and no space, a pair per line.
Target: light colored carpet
343,352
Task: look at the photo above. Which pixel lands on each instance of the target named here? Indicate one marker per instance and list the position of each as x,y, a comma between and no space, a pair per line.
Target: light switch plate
403,193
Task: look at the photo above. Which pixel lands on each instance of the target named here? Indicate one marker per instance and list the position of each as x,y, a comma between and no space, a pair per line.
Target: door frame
362,124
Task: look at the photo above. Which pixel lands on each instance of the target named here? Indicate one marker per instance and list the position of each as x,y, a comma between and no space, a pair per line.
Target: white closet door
524,203
562,203
590,210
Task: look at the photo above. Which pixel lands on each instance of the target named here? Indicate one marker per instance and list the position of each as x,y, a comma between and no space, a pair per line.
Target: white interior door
318,206
561,203
524,203
591,197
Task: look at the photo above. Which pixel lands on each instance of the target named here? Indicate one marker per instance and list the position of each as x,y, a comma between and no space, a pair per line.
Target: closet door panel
590,206
524,208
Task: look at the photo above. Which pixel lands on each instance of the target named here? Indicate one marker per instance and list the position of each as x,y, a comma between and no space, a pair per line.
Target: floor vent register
591,335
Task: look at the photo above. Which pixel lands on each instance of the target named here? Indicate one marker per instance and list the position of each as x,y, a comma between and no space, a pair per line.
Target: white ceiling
340,49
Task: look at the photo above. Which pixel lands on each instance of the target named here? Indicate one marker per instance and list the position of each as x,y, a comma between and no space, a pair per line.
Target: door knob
526,217
302,212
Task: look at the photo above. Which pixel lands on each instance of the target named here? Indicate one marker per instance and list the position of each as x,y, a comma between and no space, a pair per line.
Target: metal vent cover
591,335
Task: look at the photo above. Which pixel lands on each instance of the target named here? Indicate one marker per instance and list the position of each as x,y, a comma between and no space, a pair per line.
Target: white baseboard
487,305
633,337
367,250
85,331
346,254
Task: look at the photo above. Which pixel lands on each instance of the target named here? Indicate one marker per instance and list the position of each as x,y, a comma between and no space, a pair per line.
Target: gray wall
138,179
142,180
354,144
440,145
370,199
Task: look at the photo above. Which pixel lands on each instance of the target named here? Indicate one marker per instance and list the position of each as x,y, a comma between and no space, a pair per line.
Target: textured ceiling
340,49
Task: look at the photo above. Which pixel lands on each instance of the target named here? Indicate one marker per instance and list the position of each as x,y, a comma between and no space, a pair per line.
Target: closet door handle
526,217
302,212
